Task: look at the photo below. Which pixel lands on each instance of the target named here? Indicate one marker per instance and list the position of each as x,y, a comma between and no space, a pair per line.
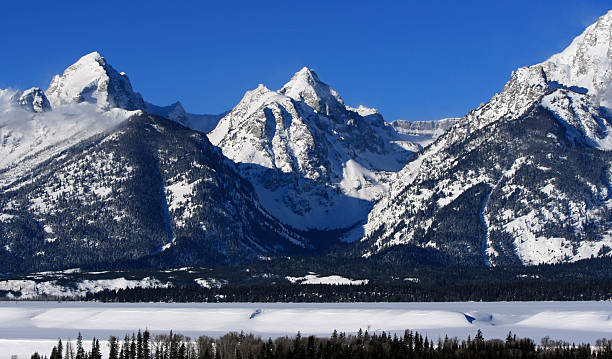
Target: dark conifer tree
133,347
139,345
125,348
113,352
80,352
60,349
146,350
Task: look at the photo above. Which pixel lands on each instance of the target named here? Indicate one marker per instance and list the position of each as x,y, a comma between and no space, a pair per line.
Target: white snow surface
29,326
329,280
31,289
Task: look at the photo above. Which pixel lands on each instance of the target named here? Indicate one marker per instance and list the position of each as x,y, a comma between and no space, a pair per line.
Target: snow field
29,326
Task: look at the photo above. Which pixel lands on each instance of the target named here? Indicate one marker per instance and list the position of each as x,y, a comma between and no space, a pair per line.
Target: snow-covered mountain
93,175
34,100
31,132
523,178
88,178
315,162
93,80
88,98
149,191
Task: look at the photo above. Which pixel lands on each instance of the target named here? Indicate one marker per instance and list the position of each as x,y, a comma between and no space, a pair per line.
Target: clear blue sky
411,60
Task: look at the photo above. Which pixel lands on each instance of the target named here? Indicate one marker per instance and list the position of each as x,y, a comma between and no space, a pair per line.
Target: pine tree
146,350
95,349
133,347
69,354
139,346
80,352
60,349
125,348
113,348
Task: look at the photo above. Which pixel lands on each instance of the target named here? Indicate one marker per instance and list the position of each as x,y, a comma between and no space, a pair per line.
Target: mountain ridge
440,178
89,168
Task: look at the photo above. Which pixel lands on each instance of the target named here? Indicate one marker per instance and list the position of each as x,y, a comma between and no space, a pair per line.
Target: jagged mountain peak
92,79
305,86
587,61
308,155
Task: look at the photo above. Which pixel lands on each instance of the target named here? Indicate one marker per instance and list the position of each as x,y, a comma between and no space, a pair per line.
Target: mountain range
93,175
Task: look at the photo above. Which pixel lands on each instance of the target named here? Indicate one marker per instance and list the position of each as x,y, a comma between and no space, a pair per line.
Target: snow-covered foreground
29,326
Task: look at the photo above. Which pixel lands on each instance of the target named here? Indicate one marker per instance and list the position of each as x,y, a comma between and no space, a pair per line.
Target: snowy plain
26,327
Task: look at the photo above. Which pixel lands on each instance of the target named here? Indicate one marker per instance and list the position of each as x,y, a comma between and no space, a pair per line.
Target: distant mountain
522,179
315,162
423,132
176,112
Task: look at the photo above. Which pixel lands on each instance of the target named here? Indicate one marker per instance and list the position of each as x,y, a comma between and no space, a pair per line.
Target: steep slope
523,178
149,191
88,98
316,163
31,134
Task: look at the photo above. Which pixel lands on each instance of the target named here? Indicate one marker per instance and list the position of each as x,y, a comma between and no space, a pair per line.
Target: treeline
405,292
362,345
